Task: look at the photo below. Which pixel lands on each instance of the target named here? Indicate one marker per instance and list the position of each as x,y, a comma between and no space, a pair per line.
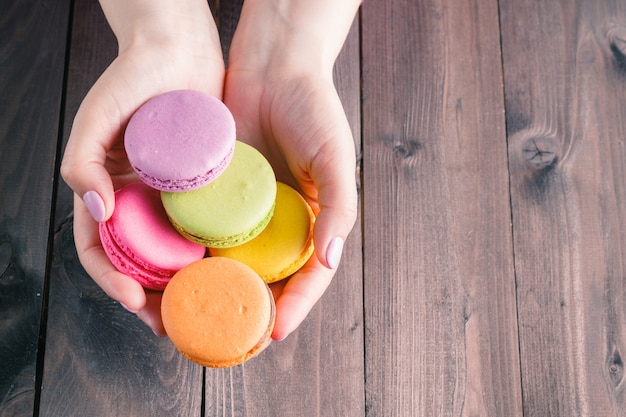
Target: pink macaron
180,140
140,241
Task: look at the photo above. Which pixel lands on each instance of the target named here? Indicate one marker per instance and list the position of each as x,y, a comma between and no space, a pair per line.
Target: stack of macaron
208,224
141,242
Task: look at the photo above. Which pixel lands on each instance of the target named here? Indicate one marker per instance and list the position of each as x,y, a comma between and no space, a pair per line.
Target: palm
298,124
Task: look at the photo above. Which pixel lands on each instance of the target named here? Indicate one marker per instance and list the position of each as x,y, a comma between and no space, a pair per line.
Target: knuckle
68,171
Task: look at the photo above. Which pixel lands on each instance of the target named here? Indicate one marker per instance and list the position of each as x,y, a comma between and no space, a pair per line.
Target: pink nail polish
333,252
95,205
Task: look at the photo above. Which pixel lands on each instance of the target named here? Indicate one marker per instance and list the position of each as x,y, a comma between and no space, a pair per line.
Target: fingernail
333,252
95,205
128,309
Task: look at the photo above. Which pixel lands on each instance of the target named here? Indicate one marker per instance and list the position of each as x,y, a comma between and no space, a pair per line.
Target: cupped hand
295,118
95,163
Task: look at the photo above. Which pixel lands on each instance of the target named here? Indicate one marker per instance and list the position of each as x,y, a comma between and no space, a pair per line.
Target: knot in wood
617,43
406,149
540,153
618,39
616,367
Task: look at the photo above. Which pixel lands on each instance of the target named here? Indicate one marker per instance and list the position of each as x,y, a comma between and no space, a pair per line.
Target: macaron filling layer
174,185
227,241
147,275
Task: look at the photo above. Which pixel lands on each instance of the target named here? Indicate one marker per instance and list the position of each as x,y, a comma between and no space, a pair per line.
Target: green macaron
232,209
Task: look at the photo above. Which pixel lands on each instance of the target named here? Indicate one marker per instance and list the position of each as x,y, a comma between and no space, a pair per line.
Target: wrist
187,25
291,35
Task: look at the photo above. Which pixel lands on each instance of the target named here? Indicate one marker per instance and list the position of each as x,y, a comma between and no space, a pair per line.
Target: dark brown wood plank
31,80
565,88
101,360
318,369
440,316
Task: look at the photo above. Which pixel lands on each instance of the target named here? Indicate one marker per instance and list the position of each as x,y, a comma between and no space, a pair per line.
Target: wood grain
565,99
440,314
31,79
101,360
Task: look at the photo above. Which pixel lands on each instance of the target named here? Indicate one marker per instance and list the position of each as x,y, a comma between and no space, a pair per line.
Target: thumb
337,199
83,165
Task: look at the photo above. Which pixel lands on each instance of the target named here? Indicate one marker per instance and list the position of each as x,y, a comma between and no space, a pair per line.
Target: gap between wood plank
43,320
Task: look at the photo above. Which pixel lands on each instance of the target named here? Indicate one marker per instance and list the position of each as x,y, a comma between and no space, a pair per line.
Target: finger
93,134
336,218
277,288
299,296
151,313
116,285
333,175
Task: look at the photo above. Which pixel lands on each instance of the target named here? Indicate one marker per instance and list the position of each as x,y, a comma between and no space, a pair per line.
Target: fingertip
128,292
120,287
278,332
288,318
130,310
338,212
150,314
279,335
334,251
331,230
95,205
83,168
296,302
94,186
99,197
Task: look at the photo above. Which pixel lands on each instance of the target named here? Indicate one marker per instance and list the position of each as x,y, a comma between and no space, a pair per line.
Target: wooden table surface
485,276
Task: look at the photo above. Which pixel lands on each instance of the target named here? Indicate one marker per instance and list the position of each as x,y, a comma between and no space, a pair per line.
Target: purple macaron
180,140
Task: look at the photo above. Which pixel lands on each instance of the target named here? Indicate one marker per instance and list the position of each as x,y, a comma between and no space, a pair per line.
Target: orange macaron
218,312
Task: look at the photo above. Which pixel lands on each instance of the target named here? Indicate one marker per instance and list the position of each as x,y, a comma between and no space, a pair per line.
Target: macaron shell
231,210
285,245
153,279
218,312
140,241
180,140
